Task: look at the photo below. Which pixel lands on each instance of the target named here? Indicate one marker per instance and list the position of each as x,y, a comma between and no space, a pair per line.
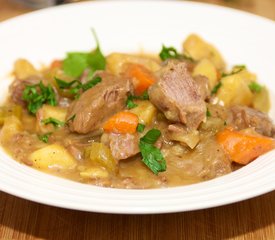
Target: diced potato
48,111
145,111
198,49
191,139
53,156
24,69
247,76
261,100
116,62
206,68
6,111
94,173
101,155
12,125
234,91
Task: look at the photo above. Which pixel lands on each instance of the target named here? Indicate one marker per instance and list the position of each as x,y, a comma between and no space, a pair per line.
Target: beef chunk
203,86
178,95
244,117
99,103
122,146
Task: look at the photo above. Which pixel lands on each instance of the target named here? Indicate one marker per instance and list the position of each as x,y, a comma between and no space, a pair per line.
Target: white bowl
128,27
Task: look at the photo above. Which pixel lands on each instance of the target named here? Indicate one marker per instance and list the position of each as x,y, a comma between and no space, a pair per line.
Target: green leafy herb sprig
38,94
152,156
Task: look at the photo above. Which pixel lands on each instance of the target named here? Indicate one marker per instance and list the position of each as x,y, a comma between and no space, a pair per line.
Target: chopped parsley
151,155
255,87
55,122
71,119
140,128
216,88
236,69
208,113
76,86
45,137
76,62
38,94
130,99
171,52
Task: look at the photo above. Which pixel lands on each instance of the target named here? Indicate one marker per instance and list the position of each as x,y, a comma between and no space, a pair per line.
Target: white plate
130,26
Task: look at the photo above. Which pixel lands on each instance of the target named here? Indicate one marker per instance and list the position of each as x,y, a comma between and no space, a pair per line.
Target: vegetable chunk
242,148
53,156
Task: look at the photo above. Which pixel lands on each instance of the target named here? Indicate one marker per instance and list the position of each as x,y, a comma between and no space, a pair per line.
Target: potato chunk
198,49
206,68
53,156
234,91
12,125
145,111
46,112
24,69
116,62
261,100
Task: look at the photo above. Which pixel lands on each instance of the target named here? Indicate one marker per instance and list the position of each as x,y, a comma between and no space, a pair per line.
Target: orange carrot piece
122,122
243,148
56,64
143,78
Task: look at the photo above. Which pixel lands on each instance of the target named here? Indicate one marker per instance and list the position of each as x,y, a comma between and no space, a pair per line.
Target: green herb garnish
152,156
208,113
45,137
140,128
71,119
76,62
38,94
55,122
130,99
216,88
236,69
255,87
76,86
171,52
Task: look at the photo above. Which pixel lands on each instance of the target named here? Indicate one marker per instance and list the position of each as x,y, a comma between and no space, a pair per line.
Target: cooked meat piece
17,88
178,95
245,117
99,103
122,146
203,86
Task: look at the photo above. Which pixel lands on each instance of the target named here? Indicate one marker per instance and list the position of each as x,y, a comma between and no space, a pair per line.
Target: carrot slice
143,78
243,148
56,64
122,122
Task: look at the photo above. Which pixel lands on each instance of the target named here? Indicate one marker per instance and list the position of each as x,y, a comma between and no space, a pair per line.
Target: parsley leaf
208,113
38,94
140,127
236,69
63,84
255,87
151,136
71,119
171,52
55,122
130,99
216,88
91,83
152,156
76,62
130,103
75,86
45,137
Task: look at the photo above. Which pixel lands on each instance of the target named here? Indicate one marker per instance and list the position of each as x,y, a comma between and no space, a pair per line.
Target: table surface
252,219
